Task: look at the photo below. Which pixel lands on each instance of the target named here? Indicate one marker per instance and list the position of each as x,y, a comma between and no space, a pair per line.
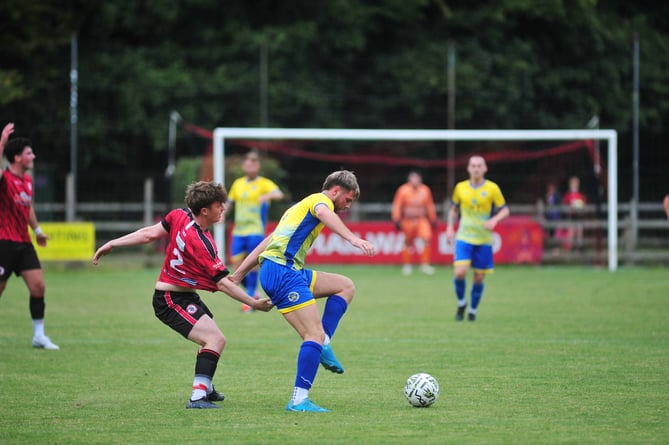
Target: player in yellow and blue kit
250,195
293,288
481,206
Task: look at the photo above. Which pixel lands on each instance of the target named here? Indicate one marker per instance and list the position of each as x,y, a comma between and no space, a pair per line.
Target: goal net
295,143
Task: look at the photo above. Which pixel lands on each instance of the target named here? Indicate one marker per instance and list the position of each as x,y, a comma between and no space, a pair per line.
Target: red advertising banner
516,240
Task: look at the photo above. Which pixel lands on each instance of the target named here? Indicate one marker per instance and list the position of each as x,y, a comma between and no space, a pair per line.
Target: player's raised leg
339,291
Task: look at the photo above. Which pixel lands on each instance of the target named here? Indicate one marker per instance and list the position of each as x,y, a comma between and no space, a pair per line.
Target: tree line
324,64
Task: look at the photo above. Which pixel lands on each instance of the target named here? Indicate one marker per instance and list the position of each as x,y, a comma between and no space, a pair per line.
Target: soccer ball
421,390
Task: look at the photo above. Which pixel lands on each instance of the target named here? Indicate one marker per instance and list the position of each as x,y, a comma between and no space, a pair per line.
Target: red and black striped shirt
16,199
191,258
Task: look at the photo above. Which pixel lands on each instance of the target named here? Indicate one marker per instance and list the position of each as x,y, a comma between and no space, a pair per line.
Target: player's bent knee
37,288
216,343
317,336
348,289
460,271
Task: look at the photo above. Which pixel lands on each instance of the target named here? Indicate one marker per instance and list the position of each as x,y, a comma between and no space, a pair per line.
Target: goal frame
610,136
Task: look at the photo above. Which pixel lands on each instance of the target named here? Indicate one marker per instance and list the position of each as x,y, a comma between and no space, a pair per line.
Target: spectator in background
553,201
575,201
250,196
552,214
17,253
666,205
414,214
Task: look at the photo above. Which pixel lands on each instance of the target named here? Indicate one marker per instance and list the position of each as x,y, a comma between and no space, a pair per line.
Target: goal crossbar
610,136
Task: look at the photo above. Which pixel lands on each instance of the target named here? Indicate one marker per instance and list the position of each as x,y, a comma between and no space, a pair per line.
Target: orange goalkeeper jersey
413,202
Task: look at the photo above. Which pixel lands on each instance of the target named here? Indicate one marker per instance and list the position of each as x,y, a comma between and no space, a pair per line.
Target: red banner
516,240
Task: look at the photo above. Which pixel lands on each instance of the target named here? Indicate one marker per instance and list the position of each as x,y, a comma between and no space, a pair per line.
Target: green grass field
557,355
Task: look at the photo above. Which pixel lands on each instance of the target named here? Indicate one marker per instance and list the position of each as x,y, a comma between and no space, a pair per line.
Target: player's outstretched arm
231,289
333,222
144,235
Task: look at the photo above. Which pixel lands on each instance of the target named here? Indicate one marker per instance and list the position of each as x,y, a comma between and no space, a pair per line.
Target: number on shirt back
178,260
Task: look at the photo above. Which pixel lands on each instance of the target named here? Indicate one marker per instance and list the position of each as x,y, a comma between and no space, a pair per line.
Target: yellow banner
67,242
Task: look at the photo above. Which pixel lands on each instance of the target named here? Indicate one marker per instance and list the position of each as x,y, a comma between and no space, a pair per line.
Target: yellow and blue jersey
250,213
476,205
296,232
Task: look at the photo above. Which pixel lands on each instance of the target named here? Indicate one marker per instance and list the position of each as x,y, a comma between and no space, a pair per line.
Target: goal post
222,134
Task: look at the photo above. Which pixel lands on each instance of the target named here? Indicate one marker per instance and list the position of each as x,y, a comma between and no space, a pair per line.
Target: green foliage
339,63
557,355
11,87
186,172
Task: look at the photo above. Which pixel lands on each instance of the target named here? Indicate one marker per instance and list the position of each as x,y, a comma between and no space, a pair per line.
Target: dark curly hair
15,147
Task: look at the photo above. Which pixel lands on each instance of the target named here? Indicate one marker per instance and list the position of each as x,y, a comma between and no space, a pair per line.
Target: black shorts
179,310
17,257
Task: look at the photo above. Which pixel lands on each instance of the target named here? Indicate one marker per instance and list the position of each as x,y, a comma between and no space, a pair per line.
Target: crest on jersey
25,199
293,297
191,309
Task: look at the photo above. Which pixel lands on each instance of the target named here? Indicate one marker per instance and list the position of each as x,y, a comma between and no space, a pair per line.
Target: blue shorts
479,256
243,245
288,288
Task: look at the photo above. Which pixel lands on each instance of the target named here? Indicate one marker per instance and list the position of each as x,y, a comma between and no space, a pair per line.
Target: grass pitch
557,355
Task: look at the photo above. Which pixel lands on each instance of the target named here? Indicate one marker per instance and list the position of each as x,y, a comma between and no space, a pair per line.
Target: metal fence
641,240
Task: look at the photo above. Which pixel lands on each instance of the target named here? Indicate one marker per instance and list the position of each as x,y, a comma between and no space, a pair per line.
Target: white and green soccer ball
421,390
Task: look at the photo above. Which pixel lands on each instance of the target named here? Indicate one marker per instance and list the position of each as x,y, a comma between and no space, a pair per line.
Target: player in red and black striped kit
17,254
192,263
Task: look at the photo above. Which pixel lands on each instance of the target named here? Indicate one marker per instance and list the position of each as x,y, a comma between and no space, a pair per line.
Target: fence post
70,199
148,201
630,227
634,220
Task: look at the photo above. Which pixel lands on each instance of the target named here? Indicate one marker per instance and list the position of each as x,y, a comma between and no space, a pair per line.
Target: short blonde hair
345,179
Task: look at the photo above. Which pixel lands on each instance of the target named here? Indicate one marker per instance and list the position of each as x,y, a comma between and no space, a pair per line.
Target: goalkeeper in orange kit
414,214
